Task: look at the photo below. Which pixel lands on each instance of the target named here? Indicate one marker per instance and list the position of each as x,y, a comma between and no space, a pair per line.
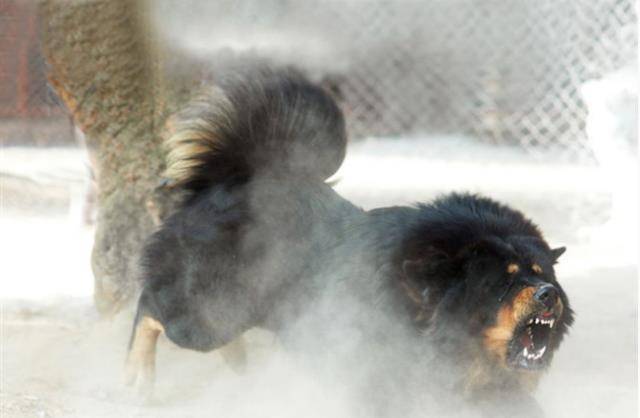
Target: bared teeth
535,355
530,352
539,321
549,322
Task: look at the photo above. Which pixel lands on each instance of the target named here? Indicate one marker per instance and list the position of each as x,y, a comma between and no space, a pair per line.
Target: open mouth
529,348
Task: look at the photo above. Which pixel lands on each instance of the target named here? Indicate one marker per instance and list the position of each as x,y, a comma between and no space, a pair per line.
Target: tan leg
141,360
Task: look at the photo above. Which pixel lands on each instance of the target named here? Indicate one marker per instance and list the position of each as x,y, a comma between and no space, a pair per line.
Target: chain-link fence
506,72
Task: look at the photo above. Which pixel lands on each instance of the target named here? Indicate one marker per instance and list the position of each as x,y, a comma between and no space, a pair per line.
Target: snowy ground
60,360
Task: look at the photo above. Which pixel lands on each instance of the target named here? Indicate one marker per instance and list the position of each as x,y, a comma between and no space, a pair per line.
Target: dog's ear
412,279
557,252
424,281
413,270
425,274
426,266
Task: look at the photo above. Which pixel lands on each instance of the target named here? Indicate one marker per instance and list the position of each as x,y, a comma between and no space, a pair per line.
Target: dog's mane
456,221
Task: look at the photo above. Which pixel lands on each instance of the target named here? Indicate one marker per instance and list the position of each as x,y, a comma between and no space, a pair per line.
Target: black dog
261,240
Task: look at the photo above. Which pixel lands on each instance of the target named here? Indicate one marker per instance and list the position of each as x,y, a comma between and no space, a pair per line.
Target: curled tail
262,119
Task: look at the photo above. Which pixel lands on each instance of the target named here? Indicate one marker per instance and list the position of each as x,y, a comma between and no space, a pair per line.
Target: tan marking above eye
513,268
536,268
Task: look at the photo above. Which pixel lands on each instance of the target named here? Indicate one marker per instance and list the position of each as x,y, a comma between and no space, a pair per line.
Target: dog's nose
546,294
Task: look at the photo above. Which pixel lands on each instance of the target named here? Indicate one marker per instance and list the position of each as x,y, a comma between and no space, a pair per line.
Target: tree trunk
103,67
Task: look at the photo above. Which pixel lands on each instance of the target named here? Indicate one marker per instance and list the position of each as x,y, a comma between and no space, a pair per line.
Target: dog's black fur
261,240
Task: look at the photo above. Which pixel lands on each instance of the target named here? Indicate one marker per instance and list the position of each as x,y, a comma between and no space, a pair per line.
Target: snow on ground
60,360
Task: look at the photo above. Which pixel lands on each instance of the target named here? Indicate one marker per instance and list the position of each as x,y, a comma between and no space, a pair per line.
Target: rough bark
103,66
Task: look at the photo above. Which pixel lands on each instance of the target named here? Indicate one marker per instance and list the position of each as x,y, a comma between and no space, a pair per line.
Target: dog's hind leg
235,354
141,359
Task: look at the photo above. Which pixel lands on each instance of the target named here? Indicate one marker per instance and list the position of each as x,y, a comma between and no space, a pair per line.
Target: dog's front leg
508,405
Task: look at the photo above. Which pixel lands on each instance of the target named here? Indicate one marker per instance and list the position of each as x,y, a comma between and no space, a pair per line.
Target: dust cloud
60,360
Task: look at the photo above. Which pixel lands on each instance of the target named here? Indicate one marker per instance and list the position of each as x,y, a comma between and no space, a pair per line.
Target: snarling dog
261,240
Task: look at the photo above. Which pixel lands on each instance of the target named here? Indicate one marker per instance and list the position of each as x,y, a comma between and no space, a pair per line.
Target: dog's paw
235,355
140,378
521,407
